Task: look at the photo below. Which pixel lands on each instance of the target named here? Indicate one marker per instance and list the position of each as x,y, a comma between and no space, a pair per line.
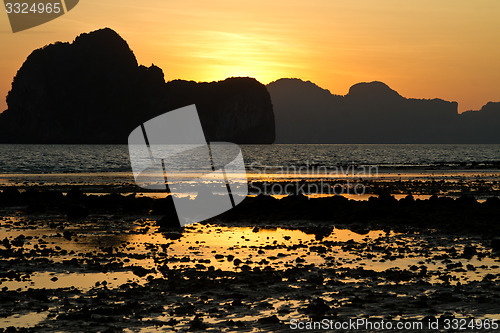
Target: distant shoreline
481,184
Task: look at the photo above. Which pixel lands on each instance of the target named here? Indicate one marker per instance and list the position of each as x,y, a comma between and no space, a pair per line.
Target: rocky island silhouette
374,113
93,91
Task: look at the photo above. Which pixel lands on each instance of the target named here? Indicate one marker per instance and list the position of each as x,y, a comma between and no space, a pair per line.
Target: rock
237,302
76,211
68,234
385,197
495,245
140,271
469,251
169,222
6,243
409,199
75,93
197,324
18,241
235,110
305,113
493,202
75,194
232,323
10,195
466,200
269,320
317,308
318,249
470,267
185,309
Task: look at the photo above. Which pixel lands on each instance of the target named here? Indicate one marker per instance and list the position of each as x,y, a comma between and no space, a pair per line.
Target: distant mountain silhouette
94,91
374,113
234,110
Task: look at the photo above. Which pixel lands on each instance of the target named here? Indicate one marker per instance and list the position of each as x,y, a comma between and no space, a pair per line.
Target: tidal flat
115,272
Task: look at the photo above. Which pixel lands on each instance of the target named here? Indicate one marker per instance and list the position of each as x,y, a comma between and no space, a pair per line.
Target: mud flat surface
115,271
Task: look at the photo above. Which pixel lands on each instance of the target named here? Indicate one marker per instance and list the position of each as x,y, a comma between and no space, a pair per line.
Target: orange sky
425,49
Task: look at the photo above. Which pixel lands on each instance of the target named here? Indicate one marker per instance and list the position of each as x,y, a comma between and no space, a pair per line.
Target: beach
90,251
108,267
109,273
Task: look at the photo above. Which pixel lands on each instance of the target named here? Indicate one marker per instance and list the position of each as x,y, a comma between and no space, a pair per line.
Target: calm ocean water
36,159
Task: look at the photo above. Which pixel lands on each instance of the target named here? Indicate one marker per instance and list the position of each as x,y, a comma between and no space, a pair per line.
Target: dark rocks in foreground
169,220
495,244
463,214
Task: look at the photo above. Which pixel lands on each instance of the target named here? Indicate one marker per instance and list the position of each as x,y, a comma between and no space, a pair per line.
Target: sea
66,159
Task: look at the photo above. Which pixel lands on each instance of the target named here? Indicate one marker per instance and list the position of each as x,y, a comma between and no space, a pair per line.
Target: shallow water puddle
23,320
231,277
227,248
82,281
103,252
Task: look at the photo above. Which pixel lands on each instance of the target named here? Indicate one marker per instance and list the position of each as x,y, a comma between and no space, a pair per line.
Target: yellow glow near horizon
424,49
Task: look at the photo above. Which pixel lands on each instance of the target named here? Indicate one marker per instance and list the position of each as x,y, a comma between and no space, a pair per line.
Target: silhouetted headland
374,113
94,91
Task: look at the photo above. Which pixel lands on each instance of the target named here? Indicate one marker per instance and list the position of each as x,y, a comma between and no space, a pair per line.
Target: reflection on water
95,245
112,262
23,320
82,281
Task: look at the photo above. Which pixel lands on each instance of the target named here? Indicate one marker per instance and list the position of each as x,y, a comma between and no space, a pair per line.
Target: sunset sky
424,49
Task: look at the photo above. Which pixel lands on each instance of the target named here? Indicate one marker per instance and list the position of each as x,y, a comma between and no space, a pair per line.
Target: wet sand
481,183
92,258
77,262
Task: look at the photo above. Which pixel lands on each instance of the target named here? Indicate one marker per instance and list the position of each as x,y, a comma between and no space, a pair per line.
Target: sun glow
426,49
216,55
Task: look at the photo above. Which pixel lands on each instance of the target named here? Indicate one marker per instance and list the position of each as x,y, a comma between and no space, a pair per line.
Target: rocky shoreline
463,214
73,261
